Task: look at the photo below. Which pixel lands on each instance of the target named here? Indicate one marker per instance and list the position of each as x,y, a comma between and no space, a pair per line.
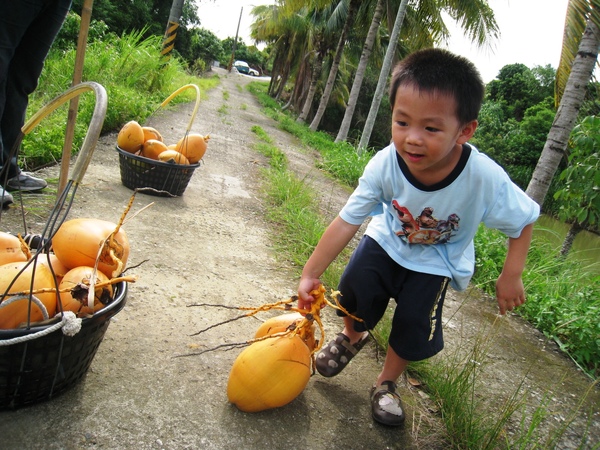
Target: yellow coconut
173,155
151,133
193,146
11,249
269,374
152,148
78,241
289,321
131,137
20,311
75,299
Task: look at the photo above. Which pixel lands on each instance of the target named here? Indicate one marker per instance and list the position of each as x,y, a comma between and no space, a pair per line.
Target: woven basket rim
117,304
157,163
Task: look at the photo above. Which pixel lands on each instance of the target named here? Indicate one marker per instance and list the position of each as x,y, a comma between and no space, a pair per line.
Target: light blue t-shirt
430,229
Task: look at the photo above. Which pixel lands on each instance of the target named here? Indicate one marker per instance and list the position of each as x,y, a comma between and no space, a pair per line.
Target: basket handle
95,127
177,92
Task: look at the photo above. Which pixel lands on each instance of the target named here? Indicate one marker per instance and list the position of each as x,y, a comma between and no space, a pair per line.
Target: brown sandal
386,404
336,355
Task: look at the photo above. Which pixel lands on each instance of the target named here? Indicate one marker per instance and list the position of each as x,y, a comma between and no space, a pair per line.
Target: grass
293,210
470,421
563,297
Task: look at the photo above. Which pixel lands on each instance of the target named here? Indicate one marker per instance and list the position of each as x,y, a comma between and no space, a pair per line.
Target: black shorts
372,278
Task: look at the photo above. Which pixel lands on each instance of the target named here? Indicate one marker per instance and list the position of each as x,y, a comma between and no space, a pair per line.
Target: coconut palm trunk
383,76
352,8
316,74
360,73
566,115
567,244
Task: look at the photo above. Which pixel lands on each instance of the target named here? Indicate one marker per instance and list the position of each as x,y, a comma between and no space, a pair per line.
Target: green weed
292,208
563,298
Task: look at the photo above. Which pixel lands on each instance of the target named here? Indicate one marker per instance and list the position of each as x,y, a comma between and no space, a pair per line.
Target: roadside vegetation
563,297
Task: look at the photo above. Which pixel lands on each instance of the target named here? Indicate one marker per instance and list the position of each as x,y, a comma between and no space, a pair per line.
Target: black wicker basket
41,368
162,178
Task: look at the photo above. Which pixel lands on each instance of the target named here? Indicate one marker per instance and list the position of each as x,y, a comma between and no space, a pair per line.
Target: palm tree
426,26
582,32
288,32
316,68
360,73
352,8
307,25
383,75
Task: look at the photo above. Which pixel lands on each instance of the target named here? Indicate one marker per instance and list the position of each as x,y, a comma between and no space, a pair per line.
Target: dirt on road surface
214,245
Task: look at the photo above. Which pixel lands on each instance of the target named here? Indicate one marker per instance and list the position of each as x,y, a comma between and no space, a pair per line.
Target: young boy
427,192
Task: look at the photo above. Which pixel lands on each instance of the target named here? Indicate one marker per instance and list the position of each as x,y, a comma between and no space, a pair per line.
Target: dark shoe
336,355
25,182
386,404
7,199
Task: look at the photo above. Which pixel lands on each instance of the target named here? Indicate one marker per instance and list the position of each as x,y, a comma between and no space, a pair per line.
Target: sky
531,31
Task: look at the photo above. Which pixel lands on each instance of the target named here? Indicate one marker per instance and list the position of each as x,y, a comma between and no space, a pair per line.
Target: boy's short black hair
438,70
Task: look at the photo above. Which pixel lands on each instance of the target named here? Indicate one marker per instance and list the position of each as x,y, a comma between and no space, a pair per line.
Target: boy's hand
304,288
510,292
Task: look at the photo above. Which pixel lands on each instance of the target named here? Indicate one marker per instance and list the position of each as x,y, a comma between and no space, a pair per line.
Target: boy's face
427,134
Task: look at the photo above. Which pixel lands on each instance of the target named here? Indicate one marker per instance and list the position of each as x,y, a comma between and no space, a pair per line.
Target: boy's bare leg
392,367
349,331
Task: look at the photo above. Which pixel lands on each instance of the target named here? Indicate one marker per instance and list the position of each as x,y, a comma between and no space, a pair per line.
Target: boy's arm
510,291
334,240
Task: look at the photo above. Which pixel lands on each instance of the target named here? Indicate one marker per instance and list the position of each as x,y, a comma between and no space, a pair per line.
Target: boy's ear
467,132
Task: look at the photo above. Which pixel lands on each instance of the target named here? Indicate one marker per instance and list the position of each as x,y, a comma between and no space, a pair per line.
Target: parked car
243,67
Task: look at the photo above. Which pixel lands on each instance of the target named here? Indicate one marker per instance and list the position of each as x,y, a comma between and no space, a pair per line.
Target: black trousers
27,30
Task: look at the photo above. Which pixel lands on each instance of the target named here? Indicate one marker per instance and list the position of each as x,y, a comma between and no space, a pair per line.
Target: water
586,247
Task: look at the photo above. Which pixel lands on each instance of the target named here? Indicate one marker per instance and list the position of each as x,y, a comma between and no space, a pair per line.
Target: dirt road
212,245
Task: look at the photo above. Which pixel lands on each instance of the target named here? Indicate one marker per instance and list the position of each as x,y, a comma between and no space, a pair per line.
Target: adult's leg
29,28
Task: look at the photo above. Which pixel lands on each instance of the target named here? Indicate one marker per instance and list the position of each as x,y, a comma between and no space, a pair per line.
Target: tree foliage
204,47
518,88
581,179
197,46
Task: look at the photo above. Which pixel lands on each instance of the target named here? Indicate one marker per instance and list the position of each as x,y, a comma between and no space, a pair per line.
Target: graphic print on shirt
425,228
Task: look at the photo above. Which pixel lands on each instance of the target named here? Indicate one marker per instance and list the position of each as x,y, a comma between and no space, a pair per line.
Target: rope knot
71,323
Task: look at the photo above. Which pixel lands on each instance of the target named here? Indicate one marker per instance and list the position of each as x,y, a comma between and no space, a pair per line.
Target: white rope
72,324
35,300
69,323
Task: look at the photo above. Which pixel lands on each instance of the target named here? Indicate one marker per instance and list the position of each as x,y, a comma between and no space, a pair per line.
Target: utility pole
171,31
235,41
